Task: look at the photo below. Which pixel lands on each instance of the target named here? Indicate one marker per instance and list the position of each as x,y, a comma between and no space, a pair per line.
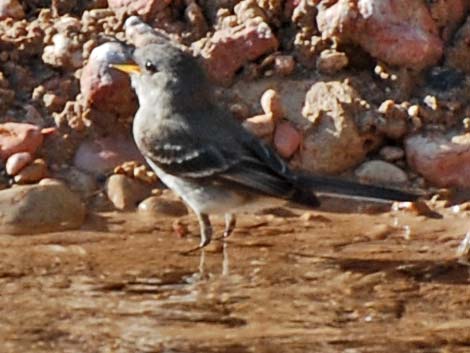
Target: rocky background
376,91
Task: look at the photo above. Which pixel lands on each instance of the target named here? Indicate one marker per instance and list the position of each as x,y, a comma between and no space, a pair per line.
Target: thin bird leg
230,223
206,229
206,233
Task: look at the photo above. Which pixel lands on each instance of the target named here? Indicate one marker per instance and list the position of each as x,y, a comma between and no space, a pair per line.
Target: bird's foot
230,223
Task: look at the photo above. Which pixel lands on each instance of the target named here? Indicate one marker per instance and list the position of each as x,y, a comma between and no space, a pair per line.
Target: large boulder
39,208
332,142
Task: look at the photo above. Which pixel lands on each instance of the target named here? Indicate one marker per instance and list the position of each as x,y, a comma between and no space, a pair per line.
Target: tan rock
332,143
34,172
125,193
31,209
261,126
271,104
394,122
380,172
157,205
331,61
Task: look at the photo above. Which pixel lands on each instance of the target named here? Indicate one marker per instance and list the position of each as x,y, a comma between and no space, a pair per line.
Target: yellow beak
127,68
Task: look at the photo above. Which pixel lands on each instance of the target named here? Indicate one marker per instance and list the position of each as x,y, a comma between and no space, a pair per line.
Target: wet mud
287,281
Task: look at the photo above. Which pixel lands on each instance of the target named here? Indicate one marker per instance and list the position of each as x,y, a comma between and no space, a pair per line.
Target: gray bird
204,155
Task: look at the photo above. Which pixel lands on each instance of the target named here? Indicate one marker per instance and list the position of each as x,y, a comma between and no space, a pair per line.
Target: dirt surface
284,282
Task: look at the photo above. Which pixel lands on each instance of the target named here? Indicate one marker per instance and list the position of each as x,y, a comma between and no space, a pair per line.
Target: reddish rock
104,154
12,9
231,48
17,161
399,32
286,139
441,159
19,137
105,88
145,8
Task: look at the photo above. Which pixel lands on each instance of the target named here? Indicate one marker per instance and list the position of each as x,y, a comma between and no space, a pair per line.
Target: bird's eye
150,67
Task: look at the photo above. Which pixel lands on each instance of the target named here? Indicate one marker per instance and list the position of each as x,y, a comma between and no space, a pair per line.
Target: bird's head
160,64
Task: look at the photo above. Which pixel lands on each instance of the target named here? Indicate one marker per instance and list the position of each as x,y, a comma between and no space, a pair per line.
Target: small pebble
286,139
125,192
240,111
160,206
381,172
391,153
331,61
413,111
261,126
431,102
271,104
284,65
418,207
17,162
180,229
33,173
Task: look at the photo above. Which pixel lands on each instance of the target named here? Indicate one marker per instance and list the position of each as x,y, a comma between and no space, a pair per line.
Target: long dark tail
331,185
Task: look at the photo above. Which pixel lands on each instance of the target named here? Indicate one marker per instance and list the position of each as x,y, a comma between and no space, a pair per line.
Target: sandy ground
283,283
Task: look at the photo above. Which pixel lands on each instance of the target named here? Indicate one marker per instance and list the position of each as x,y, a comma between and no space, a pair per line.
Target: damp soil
284,282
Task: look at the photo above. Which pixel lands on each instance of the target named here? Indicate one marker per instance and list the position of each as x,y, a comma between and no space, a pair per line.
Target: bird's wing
201,159
190,160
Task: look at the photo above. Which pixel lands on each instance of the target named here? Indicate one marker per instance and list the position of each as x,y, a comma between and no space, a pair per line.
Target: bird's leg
230,223
206,229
